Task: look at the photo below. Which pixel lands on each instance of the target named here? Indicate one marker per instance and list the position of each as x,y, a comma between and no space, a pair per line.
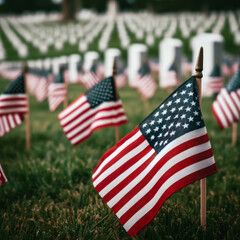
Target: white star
156,143
144,125
164,127
168,118
193,103
180,108
185,100
173,110
152,137
178,100
189,85
171,125
165,142
169,103
165,134
159,120
152,122
178,124
188,109
156,114
175,94
156,129
164,112
162,106
190,119
183,116
160,135
172,133
160,144
183,92
198,123
176,116
185,125
190,94
195,113
148,131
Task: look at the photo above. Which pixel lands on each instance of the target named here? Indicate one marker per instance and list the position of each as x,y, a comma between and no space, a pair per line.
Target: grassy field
49,194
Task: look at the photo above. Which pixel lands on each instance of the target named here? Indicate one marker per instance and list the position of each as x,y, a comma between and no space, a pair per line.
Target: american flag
167,151
226,107
145,84
41,90
10,73
32,78
90,78
214,82
57,91
171,77
3,178
13,105
121,77
97,108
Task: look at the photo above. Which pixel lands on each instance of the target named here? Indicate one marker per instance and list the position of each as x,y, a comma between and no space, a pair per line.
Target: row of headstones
170,52
139,24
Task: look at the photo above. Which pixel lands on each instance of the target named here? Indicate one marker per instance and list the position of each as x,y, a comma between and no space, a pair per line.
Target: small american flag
13,105
167,151
3,178
171,77
57,92
145,84
214,82
90,78
226,108
32,78
121,77
97,108
41,90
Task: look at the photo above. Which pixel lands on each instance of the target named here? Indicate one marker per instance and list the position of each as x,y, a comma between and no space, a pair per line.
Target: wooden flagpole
234,134
27,116
114,73
198,75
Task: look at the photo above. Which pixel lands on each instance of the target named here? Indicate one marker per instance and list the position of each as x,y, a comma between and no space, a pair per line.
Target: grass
49,194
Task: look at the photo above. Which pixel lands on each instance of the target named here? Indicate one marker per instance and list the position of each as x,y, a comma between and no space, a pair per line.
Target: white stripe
125,174
231,104
176,177
116,152
236,99
220,114
11,121
12,103
72,107
12,110
80,136
17,118
7,96
5,123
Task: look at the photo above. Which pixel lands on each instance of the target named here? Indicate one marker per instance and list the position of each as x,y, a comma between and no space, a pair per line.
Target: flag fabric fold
13,105
3,178
96,109
167,151
226,107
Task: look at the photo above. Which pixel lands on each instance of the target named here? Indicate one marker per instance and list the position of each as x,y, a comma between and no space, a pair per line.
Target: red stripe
224,113
12,99
174,169
175,187
113,149
234,103
229,108
217,117
178,149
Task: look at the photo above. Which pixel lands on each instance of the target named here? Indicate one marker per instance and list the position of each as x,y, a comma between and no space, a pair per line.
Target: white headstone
110,55
89,58
73,60
135,57
170,51
212,54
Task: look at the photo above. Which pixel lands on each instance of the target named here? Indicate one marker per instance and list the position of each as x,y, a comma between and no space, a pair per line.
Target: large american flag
57,91
89,79
145,84
226,107
13,105
97,108
3,178
167,151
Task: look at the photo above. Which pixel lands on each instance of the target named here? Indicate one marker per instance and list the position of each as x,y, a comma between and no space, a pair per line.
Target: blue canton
234,83
16,87
104,91
179,114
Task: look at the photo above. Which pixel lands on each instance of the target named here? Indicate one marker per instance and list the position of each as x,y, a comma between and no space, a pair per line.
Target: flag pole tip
199,64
